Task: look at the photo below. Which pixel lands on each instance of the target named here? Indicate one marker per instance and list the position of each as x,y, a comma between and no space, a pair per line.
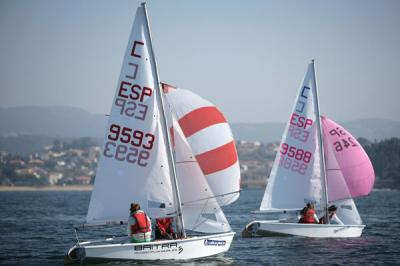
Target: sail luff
321,144
180,223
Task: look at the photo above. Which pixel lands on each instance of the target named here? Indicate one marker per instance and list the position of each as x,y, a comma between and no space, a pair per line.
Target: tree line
385,157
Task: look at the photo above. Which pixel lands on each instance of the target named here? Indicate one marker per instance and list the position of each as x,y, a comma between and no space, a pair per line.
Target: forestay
210,139
133,166
296,177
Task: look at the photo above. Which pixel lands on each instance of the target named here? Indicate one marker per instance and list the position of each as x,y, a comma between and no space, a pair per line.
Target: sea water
36,228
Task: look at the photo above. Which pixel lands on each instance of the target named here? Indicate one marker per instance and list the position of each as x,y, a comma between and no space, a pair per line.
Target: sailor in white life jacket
333,218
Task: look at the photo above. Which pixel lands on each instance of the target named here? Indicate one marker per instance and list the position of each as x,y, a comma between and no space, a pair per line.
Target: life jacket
308,217
164,225
142,225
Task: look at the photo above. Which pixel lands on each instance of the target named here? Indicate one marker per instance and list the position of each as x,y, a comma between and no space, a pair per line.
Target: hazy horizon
248,59
284,121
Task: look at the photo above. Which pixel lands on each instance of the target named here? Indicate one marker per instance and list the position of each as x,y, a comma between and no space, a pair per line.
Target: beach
47,188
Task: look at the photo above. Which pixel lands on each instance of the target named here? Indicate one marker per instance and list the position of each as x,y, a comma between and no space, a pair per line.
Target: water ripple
37,229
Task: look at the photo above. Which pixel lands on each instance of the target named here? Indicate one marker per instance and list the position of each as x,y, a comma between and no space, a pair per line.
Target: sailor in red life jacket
308,215
164,229
333,219
139,225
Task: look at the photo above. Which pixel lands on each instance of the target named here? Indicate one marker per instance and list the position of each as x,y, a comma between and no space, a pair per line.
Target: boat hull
180,249
274,228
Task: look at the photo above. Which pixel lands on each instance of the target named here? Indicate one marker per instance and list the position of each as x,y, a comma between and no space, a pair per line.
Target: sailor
139,225
308,215
164,229
333,218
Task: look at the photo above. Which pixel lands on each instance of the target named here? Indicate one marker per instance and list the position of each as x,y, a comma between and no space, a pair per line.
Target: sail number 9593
124,153
134,145
127,135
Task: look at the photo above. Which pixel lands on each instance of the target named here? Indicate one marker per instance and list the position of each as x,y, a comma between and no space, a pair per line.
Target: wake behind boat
320,163
160,151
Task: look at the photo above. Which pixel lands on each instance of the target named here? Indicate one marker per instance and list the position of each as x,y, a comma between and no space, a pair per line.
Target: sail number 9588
294,159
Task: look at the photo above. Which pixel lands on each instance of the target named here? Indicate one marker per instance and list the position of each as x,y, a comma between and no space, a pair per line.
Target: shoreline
46,188
252,185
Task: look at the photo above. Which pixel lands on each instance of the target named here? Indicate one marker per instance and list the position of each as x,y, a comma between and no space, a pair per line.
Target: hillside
385,157
57,121
70,122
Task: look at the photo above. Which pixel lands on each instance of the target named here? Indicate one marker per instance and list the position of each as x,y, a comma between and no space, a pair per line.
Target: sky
247,57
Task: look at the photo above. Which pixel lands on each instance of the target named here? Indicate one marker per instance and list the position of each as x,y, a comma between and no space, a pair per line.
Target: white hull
180,249
274,227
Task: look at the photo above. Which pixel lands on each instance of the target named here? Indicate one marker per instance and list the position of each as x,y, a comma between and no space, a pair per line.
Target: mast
322,152
179,223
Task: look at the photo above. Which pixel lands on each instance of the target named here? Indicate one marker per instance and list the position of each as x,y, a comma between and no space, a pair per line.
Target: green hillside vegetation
385,157
38,160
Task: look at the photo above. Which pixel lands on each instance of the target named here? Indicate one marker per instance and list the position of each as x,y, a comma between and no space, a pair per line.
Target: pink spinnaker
349,170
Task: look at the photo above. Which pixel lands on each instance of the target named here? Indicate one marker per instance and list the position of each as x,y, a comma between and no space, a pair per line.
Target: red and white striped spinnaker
210,139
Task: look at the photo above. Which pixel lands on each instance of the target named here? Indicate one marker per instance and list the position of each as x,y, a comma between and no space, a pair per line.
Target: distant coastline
46,188
247,185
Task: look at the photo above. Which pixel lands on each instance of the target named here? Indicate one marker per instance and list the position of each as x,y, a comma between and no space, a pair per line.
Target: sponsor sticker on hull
211,242
158,248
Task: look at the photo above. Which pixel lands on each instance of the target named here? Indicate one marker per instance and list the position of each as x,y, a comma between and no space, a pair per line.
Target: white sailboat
318,162
159,154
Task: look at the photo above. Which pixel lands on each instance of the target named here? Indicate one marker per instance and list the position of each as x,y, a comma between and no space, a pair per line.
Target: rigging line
186,162
211,197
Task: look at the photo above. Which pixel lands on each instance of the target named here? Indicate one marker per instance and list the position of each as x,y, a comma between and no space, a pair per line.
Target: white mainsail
133,166
296,176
